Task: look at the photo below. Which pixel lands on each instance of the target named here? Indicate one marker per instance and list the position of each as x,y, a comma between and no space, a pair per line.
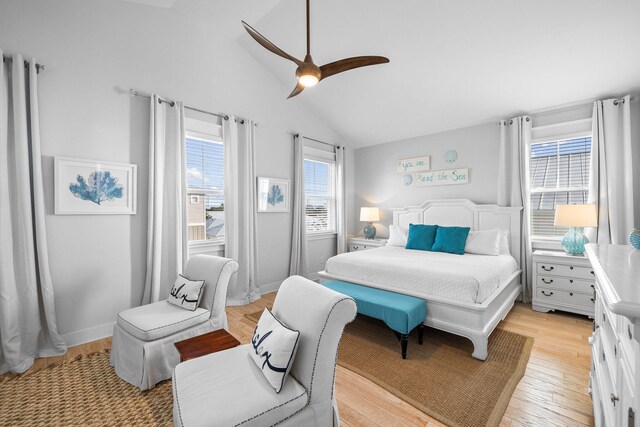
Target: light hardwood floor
553,391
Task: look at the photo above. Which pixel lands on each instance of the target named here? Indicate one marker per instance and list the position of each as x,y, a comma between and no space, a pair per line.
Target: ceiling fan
308,73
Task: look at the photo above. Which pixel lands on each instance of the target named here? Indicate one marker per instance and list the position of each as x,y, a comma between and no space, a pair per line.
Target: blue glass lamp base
369,231
573,242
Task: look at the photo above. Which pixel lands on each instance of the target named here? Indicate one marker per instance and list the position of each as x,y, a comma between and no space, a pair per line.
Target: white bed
467,278
467,294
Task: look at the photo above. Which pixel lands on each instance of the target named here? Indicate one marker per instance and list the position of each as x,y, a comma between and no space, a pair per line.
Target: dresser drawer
628,344
566,298
577,271
565,283
605,386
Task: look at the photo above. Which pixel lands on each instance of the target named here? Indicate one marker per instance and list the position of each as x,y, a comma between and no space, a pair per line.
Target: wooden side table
204,344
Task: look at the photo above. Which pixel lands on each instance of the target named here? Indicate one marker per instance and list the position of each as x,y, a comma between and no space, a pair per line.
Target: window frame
209,132
542,241
316,235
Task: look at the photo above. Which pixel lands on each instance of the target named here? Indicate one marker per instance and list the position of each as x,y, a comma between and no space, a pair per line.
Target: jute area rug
440,377
82,392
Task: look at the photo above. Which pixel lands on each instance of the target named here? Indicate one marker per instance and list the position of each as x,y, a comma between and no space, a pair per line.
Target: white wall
94,51
377,183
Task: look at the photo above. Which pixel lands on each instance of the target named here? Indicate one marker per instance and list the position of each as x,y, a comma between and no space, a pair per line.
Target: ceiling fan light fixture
308,80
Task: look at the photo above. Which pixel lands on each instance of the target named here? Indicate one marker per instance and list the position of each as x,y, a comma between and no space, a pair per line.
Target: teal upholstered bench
402,313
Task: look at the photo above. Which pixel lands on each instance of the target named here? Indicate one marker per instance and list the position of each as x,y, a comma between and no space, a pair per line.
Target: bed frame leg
420,333
480,346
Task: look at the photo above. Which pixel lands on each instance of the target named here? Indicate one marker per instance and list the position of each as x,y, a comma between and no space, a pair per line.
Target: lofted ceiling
454,63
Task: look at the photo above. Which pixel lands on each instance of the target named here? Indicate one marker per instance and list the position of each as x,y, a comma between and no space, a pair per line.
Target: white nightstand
563,282
362,244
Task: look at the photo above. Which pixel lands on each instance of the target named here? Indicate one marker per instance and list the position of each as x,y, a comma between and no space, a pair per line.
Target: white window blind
205,187
559,173
320,195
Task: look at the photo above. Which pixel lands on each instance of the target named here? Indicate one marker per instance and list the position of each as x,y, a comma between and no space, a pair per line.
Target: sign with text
416,164
445,177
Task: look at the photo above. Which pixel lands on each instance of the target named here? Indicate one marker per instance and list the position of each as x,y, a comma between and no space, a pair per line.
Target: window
559,173
205,182
320,195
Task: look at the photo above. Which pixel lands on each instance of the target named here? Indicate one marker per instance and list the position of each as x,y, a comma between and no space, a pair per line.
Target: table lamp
370,215
576,217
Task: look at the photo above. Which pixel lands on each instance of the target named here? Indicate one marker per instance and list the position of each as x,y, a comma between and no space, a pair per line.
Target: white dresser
615,367
361,244
562,282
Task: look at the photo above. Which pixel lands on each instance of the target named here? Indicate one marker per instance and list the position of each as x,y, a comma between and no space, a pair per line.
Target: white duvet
468,277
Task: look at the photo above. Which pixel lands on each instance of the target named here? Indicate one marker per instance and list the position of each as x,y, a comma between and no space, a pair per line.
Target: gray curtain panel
611,174
513,187
298,264
167,224
240,209
28,326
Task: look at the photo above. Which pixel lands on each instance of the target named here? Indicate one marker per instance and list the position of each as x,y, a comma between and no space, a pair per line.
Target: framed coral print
91,187
273,195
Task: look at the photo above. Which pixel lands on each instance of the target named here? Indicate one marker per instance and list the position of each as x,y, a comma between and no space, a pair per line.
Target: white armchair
142,350
228,389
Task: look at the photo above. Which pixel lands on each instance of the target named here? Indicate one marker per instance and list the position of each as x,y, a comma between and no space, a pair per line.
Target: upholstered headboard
464,213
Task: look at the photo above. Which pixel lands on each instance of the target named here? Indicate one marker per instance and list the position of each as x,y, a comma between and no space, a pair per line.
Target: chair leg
420,333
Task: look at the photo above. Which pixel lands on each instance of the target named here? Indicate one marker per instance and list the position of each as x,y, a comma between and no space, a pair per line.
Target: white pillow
186,293
483,242
274,347
504,242
397,236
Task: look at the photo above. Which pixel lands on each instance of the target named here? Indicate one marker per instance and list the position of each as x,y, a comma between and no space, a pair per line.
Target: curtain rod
316,140
134,92
39,67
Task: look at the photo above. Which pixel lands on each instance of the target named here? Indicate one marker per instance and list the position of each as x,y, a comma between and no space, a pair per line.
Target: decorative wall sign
444,177
273,195
416,164
407,179
451,156
91,187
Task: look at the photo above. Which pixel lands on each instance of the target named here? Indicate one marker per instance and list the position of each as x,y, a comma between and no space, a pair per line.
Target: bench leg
404,339
420,333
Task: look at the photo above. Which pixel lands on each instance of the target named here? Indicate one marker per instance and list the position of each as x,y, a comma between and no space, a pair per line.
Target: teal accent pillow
421,237
451,240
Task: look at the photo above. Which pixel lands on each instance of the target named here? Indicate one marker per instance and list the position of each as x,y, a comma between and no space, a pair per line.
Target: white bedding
468,277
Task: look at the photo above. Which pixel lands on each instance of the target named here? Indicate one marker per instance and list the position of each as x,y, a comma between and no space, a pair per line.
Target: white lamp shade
576,216
369,214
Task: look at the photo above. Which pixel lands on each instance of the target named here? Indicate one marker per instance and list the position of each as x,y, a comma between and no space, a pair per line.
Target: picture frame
94,187
273,195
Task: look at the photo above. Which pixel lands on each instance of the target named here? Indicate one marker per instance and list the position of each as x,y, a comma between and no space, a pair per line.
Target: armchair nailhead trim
275,407
313,372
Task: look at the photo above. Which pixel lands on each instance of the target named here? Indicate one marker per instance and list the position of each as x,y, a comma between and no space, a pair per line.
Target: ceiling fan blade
298,89
347,64
268,45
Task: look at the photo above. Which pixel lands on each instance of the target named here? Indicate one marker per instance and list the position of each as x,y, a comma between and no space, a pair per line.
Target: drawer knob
604,357
547,282
570,280
593,300
629,332
593,272
593,286
571,294
571,268
614,399
547,294
547,268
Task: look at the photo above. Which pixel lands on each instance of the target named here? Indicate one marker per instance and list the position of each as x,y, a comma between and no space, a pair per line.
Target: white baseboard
87,335
270,287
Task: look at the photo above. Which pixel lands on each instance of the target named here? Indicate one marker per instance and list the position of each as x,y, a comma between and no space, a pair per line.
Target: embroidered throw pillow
274,347
186,293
